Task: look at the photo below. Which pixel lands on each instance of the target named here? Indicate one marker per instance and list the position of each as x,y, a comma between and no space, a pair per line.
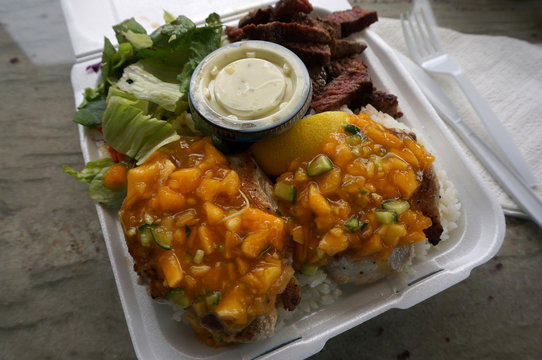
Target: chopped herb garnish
352,129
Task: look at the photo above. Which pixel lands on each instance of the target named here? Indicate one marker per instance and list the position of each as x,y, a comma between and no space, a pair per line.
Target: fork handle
496,129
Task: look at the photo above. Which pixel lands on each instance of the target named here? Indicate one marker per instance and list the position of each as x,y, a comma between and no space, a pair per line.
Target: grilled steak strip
351,64
312,54
285,10
234,33
382,101
342,91
286,32
353,20
344,48
258,16
318,77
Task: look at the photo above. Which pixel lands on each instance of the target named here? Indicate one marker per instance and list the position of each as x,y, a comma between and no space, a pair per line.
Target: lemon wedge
303,139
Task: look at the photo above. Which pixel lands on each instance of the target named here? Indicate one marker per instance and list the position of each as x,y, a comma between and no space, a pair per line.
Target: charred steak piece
234,33
382,101
258,16
333,27
286,32
344,48
342,91
350,64
312,54
318,77
285,10
353,20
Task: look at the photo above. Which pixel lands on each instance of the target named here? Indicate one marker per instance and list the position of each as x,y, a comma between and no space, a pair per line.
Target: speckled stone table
58,298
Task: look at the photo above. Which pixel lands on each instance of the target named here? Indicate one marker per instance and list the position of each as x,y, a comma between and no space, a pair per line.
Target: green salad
141,103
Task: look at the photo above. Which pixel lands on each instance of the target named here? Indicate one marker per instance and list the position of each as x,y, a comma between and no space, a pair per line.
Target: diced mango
116,176
208,189
206,239
232,306
334,241
233,224
170,200
231,183
371,246
255,220
185,180
343,155
242,265
267,276
383,137
172,269
406,181
212,153
179,237
297,234
392,233
254,244
231,241
213,213
329,182
324,223
318,202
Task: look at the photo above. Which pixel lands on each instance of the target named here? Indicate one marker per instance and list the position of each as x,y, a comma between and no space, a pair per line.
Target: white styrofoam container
155,335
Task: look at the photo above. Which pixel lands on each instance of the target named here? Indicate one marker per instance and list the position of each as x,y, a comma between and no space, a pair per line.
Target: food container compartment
480,232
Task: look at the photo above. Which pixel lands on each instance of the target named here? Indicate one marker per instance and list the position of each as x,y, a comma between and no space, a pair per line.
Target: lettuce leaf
91,110
175,48
132,32
93,174
130,131
203,42
114,61
139,82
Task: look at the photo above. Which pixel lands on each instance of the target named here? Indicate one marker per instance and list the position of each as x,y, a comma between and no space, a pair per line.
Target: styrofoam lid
89,21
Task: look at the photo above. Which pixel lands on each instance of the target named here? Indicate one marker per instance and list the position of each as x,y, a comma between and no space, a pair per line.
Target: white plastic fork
427,52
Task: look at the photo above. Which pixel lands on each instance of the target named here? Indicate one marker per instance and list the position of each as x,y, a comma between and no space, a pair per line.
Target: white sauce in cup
250,87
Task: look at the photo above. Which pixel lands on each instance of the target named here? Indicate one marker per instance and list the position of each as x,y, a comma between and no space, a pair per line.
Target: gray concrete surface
58,298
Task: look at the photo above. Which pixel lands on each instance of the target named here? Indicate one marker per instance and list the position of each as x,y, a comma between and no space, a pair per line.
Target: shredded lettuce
132,132
144,85
93,174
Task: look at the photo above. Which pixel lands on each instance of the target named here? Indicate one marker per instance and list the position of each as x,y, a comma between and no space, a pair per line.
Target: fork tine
416,32
429,28
408,39
425,42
